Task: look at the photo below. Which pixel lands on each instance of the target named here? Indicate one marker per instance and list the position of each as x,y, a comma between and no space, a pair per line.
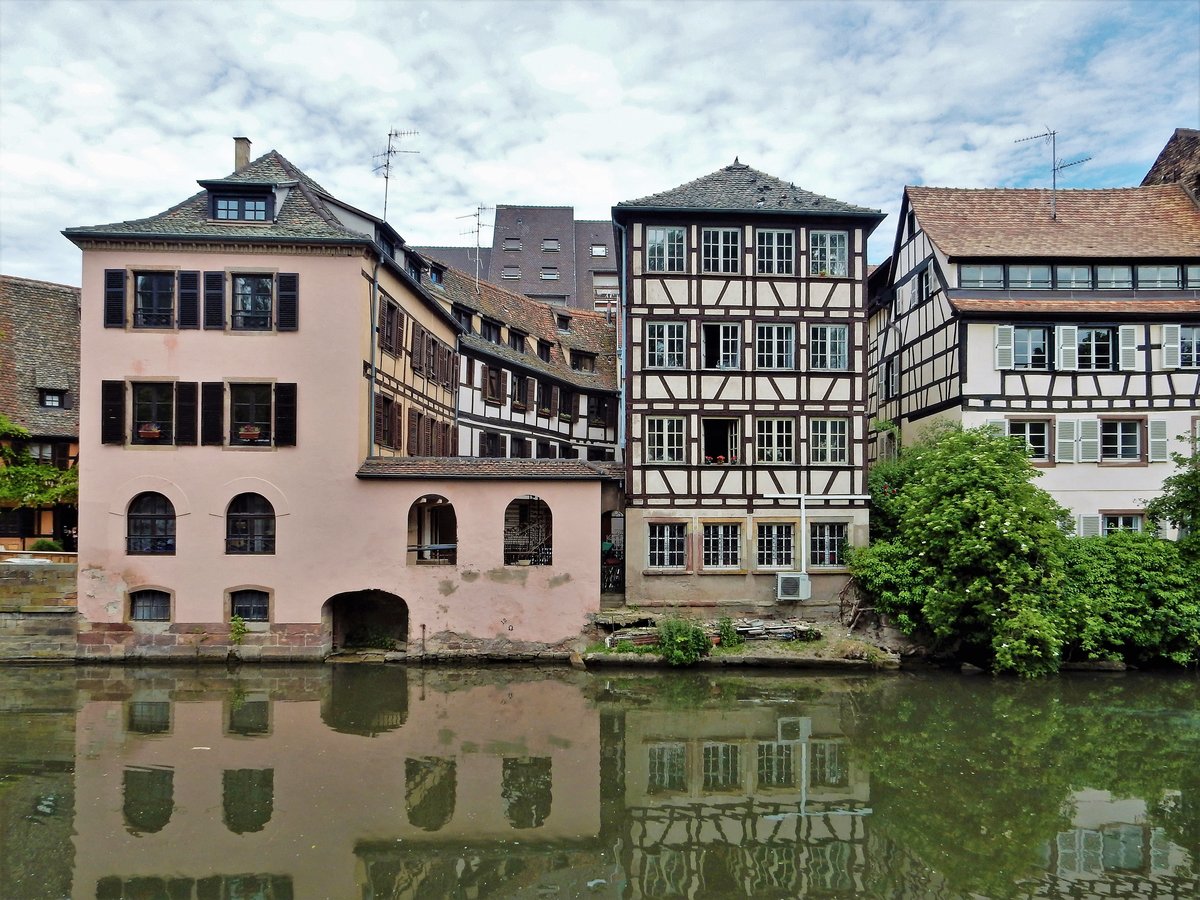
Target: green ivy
27,483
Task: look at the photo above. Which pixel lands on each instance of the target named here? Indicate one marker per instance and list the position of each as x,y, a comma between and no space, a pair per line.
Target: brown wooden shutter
414,431
454,440
287,292
212,413
114,298
447,447
379,421
427,437
418,348
554,401
503,385
395,425
189,299
185,413
469,377
285,414
214,300
503,454
112,412
453,377
531,392
485,382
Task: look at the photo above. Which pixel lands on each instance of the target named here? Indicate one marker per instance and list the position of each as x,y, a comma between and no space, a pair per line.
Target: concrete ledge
653,661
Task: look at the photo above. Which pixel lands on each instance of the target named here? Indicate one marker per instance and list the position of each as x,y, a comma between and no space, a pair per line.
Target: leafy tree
975,555
1179,503
26,482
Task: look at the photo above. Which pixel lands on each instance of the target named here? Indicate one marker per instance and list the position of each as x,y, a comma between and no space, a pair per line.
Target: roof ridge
39,281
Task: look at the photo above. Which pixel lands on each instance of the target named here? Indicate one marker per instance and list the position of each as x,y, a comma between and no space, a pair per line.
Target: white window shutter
1158,440
1004,346
1128,343
1089,526
1170,346
1089,440
1064,440
1000,425
1068,346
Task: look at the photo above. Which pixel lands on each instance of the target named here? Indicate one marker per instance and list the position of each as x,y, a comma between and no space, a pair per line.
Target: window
583,362
153,413
1158,277
463,316
52,399
490,331
828,441
1110,278
827,253
665,345
599,250
775,542
774,440
722,546
250,414
722,767
40,452
1036,435
828,347
664,249
150,606
721,345
516,340
890,381
989,277
600,410
776,766
528,532
1121,440
1095,350
1031,347
545,394
828,765
436,275
924,283
250,525
666,546
568,405
1111,524
1193,276
543,350
773,346
1189,346
251,605
550,245
252,302
520,448
546,450
1029,277
827,543
775,252
549,273
512,243
391,327
149,716
153,299
520,392
664,440
493,384
1073,277
241,209
721,250
721,441
667,769
150,526
562,322
510,272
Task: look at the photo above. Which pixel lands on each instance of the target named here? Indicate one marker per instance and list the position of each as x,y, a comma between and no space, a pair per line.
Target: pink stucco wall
335,533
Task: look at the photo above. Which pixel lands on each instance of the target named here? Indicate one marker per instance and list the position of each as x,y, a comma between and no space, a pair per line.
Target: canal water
372,782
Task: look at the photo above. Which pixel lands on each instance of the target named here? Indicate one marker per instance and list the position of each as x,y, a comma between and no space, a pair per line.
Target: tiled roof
303,215
739,187
1179,161
476,468
39,348
1149,309
590,332
1142,222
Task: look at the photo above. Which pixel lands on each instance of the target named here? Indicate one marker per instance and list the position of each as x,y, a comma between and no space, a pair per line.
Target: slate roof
303,216
458,257
1178,161
590,332
472,468
1140,307
39,348
738,187
1140,222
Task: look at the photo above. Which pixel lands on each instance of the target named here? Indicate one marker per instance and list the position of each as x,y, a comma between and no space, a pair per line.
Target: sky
112,111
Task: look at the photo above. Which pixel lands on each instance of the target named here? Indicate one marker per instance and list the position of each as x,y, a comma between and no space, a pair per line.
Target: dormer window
563,322
516,340
543,351
583,362
435,275
240,208
491,331
462,315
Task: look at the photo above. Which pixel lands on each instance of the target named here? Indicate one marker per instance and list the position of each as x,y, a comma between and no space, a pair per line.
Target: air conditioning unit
792,586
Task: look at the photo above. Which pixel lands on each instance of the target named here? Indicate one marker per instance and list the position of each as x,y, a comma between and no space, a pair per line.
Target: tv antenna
479,225
1056,164
384,160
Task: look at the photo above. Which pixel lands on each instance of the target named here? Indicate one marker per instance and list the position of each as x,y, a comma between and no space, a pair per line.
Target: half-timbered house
745,316
1069,319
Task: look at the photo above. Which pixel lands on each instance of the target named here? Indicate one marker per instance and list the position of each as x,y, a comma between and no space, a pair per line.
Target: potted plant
249,432
708,460
149,431
720,460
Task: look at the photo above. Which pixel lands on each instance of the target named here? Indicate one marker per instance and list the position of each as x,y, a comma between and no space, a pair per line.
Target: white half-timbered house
745,320
1071,320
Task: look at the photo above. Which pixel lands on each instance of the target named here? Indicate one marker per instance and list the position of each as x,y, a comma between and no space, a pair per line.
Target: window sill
713,570
652,572
1123,463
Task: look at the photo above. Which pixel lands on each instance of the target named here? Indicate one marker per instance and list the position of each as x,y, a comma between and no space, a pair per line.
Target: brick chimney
241,153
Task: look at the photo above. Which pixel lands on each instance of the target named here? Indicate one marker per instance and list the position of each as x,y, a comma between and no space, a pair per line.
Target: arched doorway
366,619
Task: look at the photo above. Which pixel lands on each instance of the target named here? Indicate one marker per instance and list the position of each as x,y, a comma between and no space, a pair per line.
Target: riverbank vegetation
970,555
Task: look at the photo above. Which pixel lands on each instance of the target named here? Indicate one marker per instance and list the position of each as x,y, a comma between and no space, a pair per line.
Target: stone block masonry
38,619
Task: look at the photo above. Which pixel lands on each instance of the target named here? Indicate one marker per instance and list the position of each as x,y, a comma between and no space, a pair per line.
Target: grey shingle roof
738,187
39,348
303,215
486,469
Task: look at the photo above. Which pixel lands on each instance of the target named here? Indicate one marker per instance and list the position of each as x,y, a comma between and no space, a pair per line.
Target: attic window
583,362
599,250
490,331
549,273
238,208
512,243
435,275
516,340
52,399
462,315
511,272
550,245
543,351
562,322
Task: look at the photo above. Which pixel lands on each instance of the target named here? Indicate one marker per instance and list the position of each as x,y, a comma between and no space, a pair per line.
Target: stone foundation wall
208,642
37,612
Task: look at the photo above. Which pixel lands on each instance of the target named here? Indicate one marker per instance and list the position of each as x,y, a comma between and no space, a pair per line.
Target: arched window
430,786
526,791
528,535
150,525
251,605
150,606
248,798
149,799
432,532
250,525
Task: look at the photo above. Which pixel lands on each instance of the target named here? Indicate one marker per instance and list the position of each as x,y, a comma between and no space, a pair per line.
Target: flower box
149,431
249,432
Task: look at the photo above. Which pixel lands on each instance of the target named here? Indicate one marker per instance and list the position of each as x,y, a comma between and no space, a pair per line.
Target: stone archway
366,619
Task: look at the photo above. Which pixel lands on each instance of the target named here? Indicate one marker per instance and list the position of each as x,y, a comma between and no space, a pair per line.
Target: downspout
373,342
621,344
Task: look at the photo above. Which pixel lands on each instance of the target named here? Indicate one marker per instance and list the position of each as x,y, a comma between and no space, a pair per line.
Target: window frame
248,425
1114,281
769,537
1028,282
825,545
779,432
147,412
721,250
243,314
728,342
775,251
980,282
774,346
1189,346
1156,283
823,347
665,357
1114,441
721,546
245,207
825,258
1113,522
664,439
250,531
159,605
1092,332
1024,354
155,534
1020,428
824,447
160,291
672,545
666,248
258,606
1072,283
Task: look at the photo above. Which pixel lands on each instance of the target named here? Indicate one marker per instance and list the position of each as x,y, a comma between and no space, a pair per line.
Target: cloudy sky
112,110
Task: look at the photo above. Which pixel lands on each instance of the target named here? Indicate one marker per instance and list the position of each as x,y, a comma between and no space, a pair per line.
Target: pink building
252,450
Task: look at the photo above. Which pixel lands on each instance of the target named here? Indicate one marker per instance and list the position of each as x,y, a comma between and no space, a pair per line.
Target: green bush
682,643
729,634
45,545
625,647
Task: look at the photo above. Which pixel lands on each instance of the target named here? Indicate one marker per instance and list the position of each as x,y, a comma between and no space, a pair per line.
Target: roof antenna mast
1056,165
477,216
384,160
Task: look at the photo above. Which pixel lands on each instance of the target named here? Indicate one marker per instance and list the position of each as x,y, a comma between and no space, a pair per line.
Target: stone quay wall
38,619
